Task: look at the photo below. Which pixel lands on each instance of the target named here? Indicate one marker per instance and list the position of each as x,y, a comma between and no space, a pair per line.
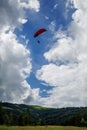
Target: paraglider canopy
40,31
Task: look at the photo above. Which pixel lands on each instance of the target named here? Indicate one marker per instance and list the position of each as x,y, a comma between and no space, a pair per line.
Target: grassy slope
41,128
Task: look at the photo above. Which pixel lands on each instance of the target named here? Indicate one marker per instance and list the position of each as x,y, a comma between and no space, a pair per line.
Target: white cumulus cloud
15,61
31,4
13,14
15,67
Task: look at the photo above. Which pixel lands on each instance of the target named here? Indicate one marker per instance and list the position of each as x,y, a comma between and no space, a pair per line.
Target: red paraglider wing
39,32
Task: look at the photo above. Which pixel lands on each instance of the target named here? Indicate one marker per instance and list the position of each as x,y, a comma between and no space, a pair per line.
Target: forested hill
20,114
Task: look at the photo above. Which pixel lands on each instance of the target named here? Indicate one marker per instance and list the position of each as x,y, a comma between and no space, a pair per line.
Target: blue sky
52,73
50,12
51,17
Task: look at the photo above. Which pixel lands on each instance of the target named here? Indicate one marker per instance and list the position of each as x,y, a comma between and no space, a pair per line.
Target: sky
52,73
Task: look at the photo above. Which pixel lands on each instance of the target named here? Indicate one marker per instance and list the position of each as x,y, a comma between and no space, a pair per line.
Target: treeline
21,115
67,117
11,115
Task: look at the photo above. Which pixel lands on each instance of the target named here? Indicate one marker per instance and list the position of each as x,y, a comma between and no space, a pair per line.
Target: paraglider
38,32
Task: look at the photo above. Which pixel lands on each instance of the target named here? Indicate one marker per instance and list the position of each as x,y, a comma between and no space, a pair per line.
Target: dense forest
20,114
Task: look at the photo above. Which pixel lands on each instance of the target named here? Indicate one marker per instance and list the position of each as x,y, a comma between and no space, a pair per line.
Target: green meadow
41,128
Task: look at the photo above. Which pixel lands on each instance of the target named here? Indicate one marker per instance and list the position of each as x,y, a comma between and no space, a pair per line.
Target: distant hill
46,116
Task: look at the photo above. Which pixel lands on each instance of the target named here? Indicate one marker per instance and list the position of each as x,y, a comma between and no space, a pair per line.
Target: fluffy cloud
15,61
69,85
12,13
67,58
15,67
62,52
35,5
